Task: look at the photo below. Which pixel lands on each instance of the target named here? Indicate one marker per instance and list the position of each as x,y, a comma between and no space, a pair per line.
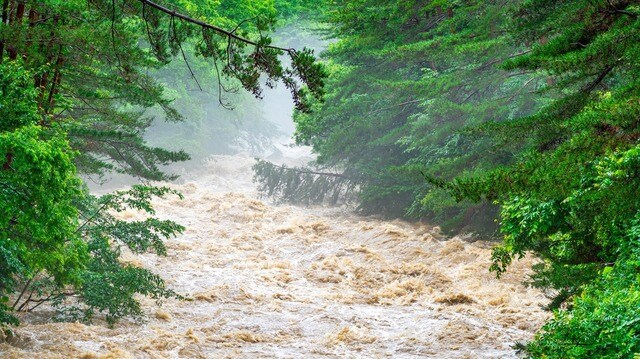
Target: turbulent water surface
291,282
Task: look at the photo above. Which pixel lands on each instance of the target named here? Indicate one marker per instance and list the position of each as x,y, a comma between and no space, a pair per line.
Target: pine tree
406,79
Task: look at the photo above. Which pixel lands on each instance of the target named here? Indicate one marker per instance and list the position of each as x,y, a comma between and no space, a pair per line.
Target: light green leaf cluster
38,190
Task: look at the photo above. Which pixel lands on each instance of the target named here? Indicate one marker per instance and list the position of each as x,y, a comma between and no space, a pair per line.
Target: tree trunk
5,14
13,52
55,83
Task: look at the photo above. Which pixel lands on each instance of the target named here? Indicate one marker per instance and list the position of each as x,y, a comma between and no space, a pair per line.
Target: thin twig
184,57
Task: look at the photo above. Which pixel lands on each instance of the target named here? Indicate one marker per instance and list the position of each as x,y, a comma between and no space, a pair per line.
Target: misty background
228,123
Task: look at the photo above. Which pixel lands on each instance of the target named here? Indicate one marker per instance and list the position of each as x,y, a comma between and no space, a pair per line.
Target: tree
571,194
38,220
75,92
407,78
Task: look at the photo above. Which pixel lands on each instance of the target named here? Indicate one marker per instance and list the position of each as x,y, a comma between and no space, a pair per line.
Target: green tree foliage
406,78
57,243
38,219
293,9
572,195
302,185
108,285
604,318
570,192
90,66
76,94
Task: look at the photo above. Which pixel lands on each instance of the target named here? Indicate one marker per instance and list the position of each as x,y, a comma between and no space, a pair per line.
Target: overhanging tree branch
217,29
302,171
304,77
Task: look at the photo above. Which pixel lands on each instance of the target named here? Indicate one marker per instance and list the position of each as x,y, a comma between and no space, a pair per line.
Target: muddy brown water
272,281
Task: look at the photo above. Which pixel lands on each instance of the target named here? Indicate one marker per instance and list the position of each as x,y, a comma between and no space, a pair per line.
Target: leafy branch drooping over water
302,185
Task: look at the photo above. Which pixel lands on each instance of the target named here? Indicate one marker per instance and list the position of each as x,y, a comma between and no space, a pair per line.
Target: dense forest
518,121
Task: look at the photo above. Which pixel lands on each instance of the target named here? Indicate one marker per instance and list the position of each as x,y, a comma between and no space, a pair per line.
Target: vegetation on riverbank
518,120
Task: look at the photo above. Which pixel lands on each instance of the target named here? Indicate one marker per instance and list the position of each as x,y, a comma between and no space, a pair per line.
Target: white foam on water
270,281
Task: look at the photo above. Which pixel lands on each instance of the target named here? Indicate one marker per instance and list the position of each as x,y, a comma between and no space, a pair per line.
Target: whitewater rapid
267,281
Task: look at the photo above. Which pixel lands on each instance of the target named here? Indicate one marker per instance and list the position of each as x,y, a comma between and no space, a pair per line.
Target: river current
279,281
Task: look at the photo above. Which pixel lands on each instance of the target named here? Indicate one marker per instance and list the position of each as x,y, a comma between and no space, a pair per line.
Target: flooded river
269,281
